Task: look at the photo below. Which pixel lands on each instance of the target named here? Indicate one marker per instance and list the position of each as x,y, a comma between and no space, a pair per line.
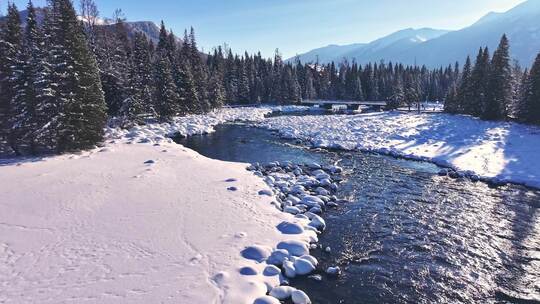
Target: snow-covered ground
148,222
198,124
493,150
144,220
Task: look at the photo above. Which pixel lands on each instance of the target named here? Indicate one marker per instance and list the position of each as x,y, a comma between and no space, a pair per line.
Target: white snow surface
199,124
499,151
144,220
137,223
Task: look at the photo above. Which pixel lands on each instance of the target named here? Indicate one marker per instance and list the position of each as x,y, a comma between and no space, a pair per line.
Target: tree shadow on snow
457,134
17,161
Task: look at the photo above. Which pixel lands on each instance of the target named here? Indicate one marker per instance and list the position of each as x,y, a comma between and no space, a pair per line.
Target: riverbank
140,220
495,151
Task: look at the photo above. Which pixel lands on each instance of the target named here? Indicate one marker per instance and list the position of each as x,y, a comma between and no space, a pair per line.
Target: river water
407,235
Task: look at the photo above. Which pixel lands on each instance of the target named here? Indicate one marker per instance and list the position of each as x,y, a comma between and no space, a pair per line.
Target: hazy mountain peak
434,47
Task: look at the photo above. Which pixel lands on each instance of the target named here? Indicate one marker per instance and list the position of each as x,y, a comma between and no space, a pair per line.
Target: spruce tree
186,89
10,50
216,92
478,84
167,99
499,87
141,79
464,90
530,112
26,120
79,92
398,95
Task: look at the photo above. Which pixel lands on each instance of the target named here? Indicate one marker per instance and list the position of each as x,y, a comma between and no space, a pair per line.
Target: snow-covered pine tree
398,95
167,99
216,92
186,89
199,71
451,102
243,82
139,104
28,117
309,89
79,91
478,84
499,86
530,112
10,50
516,85
463,90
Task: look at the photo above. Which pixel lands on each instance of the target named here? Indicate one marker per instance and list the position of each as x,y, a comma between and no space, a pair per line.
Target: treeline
51,98
497,89
252,79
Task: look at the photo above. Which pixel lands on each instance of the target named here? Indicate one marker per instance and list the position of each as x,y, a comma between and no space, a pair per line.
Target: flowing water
407,235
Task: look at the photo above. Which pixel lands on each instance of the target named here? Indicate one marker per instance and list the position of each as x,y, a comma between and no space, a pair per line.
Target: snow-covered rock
277,257
333,271
290,228
295,248
266,300
256,253
300,297
282,292
303,266
271,270
317,222
290,270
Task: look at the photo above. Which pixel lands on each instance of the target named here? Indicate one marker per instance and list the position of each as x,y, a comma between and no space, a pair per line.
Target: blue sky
296,26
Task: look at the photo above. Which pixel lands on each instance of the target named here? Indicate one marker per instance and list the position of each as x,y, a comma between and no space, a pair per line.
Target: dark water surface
408,235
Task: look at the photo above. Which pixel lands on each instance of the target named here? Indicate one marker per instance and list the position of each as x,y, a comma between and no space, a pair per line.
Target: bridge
351,105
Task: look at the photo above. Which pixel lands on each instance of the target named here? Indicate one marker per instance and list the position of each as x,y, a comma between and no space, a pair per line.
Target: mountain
436,48
329,53
382,48
150,29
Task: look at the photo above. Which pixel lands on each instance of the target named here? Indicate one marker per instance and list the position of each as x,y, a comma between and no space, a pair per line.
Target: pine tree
115,66
79,92
216,92
398,95
451,103
168,101
199,71
10,50
530,112
478,85
309,90
499,87
26,117
186,89
464,90
141,78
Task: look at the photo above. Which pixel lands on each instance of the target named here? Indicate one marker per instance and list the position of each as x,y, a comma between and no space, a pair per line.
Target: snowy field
492,150
144,220
148,222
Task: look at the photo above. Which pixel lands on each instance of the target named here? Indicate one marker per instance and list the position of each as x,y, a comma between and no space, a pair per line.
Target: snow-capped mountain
374,51
436,48
149,28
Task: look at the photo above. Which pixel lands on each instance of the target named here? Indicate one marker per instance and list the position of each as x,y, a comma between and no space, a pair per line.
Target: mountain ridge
519,23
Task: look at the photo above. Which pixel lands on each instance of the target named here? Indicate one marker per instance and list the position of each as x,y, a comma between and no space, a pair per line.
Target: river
407,235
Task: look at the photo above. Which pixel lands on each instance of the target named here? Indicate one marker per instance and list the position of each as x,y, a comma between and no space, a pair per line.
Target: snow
191,124
496,151
126,224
